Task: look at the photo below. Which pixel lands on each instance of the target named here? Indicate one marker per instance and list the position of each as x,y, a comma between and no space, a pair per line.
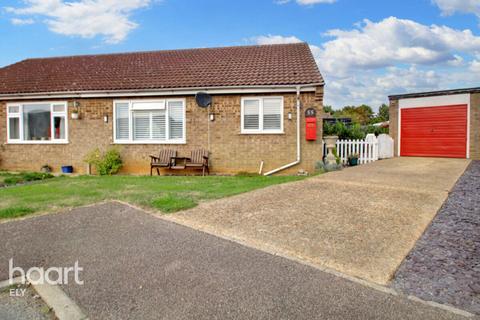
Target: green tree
328,109
384,112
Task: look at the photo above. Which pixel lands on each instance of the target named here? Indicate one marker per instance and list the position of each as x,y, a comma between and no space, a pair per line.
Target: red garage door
434,132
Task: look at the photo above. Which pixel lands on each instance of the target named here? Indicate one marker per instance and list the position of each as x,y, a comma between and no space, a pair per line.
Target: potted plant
75,114
353,160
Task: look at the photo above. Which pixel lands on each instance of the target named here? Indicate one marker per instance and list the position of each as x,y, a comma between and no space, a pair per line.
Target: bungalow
56,110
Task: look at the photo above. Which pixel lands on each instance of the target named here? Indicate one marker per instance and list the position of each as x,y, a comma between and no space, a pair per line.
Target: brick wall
393,130
231,151
475,126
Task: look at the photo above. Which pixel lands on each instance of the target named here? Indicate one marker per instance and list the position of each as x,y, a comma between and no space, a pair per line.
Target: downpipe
298,140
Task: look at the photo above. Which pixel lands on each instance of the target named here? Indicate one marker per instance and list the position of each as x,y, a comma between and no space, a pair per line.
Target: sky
366,50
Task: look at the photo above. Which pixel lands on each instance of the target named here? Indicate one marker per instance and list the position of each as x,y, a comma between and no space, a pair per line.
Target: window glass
122,121
14,128
36,122
159,125
175,113
13,109
272,113
251,114
59,127
141,125
58,108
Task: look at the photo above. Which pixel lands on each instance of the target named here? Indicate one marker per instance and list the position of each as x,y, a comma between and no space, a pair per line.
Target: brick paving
444,266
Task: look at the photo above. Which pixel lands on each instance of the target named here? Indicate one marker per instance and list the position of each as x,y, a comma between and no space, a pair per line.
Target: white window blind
251,115
272,114
159,125
141,125
122,121
175,112
262,115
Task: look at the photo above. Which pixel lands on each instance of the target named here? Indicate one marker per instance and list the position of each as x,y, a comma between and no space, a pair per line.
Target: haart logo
52,276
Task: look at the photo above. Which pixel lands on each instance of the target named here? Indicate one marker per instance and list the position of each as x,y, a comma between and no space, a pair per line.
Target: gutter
159,92
298,89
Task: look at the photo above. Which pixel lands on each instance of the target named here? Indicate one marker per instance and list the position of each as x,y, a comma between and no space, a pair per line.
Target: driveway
361,221
137,266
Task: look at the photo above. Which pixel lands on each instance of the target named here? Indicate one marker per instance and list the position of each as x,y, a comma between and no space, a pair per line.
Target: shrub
107,163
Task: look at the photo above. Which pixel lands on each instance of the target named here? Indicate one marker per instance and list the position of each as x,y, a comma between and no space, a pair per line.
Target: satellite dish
203,99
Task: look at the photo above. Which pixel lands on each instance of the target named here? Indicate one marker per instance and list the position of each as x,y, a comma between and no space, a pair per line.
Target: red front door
434,132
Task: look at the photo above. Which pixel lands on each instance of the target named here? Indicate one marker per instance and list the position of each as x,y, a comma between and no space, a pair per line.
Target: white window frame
19,115
164,102
260,130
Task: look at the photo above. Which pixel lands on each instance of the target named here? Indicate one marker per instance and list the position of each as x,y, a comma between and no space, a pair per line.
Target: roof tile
286,64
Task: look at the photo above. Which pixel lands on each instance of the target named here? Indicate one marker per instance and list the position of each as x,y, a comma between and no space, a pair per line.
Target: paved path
137,266
361,221
444,266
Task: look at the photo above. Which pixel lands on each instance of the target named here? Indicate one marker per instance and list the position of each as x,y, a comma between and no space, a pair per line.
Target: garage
439,131
436,124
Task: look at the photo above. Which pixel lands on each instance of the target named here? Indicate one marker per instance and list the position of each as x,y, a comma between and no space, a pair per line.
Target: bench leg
158,171
151,169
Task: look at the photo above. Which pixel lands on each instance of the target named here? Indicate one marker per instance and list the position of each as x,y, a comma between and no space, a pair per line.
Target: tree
328,109
384,112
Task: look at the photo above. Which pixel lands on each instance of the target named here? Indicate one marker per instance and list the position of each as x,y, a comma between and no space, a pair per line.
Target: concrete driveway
361,221
136,266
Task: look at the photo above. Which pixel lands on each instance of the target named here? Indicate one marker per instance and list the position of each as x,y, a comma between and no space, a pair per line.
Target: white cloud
306,2
450,7
85,18
376,59
21,22
393,41
273,39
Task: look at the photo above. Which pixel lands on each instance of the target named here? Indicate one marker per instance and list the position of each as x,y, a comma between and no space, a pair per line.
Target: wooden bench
198,160
162,161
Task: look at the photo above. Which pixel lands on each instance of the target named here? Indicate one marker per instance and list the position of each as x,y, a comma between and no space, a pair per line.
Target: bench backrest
197,155
166,154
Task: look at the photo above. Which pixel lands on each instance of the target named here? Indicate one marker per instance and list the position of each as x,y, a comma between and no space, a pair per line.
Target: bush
352,132
107,163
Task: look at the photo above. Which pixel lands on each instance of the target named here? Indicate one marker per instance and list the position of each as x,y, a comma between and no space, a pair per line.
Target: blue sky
365,49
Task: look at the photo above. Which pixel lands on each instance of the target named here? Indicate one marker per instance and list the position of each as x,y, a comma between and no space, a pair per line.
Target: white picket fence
367,150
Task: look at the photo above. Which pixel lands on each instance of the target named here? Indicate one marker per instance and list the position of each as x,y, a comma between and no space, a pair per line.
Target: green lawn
167,194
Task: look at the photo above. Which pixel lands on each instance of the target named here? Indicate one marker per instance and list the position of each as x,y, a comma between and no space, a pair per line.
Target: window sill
150,142
37,142
263,133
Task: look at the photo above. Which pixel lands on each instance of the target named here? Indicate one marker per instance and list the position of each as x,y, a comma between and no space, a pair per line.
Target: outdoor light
212,117
289,116
105,118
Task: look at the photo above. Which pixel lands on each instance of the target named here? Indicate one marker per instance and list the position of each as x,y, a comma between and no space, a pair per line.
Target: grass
167,194
9,179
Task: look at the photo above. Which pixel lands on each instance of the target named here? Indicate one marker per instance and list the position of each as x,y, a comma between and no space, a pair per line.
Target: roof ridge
165,51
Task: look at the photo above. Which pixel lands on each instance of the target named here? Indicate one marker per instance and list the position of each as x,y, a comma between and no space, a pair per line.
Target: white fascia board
166,92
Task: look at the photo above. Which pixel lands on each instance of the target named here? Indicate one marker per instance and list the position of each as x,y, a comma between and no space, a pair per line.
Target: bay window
262,115
41,122
158,121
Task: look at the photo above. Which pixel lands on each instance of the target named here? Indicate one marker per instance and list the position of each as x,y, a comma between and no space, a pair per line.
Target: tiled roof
286,64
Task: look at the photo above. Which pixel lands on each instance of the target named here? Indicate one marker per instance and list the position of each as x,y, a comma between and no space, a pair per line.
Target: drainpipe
298,140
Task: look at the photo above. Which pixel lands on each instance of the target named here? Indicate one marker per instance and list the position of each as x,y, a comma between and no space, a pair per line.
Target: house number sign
310,113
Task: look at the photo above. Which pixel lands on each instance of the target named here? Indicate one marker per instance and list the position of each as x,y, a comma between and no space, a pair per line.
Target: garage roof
434,93
267,65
